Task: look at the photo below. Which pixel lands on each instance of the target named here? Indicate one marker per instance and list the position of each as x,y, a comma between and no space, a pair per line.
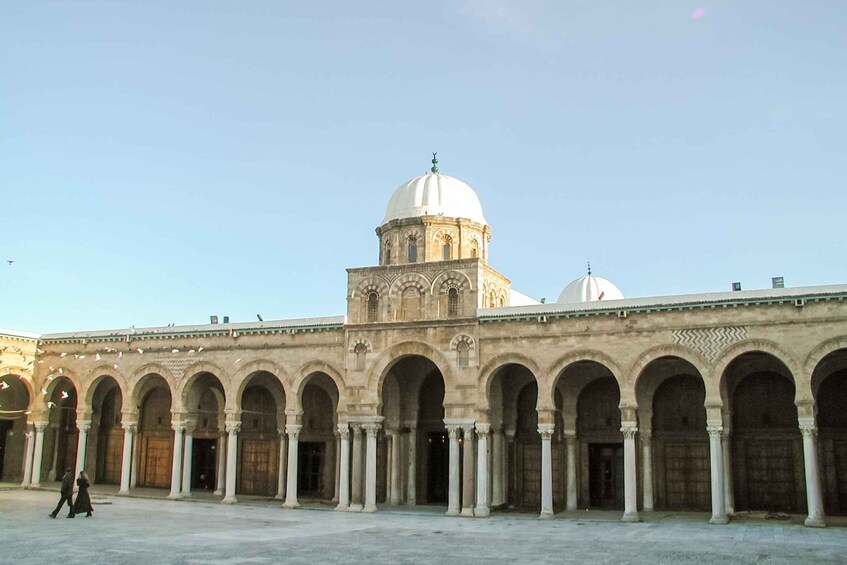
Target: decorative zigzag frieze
709,342
176,365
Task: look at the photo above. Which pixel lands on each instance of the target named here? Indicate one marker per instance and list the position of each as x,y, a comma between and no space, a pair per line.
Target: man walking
67,494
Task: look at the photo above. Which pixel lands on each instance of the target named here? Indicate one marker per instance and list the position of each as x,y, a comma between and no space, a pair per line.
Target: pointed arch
755,346
301,379
493,366
561,365
96,375
380,369
241,379
636,371
140,376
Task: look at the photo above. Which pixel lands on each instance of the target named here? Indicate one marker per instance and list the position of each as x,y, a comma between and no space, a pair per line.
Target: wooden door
110,460
687,480
309,475
605,468
258,467
156,461
770,475
529,475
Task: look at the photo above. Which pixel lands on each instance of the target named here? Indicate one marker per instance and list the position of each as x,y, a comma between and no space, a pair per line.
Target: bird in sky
10,261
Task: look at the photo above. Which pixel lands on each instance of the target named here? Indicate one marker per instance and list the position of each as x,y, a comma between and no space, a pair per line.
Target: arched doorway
204,401
155,435
106,436
413,407
767,454
829,381
14,403
317,449
61,444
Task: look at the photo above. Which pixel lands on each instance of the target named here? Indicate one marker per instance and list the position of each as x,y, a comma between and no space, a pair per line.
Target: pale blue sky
163,161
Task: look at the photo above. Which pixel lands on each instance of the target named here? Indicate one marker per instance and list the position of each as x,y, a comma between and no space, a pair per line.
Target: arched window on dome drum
463,353
411,304
373,307
452,303
413,251
447,248
388,256
361,351
474,249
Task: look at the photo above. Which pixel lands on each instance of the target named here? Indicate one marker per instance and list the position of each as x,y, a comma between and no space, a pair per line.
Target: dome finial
434,168
589,268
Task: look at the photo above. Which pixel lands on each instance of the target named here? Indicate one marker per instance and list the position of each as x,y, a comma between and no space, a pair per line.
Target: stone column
482,510
728,487
630,513
497,498
83,426
280,484
293,431
815,519
716,469
455,487
570,439
412,462
133,466
188,450
510,467
232,429
356,482
30,446
468,471
176,467
370,469
344,469
647,469
546,431
38,451
335,494
220,480
126,461
394,488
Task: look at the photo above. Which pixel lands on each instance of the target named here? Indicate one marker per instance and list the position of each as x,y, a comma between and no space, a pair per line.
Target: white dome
589,289
434,194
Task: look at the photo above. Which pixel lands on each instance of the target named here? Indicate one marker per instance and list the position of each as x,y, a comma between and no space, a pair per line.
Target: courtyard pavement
159,531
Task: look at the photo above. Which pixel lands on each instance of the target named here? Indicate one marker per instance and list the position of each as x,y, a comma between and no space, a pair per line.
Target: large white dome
589,289
434,194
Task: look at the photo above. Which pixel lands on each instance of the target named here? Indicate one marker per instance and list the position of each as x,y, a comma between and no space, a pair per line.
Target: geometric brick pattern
709,342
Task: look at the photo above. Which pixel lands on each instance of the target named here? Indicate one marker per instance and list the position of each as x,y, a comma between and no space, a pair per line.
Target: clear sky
162,161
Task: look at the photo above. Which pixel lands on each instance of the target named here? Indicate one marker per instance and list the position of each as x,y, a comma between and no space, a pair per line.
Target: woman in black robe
83,501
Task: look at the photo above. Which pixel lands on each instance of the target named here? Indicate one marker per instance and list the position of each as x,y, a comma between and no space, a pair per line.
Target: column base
175,495
546,515
24,485
218,492
369,508
279,497
630,517
814,522
342,508
229,500
467,512
452,512
291,504
354,508
647,509
123,493
186,495
481,511
724,519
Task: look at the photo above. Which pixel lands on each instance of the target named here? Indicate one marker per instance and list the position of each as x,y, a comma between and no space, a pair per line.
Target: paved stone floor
155,531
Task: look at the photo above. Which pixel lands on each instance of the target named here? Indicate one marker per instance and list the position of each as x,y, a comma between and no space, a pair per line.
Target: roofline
676,302
19,334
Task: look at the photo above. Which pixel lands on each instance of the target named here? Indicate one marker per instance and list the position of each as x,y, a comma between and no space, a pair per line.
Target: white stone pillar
546,431
394,489
630,513
220,480
815,519
232,429
370,468
293,431
337,475
412,462
176,466
647,469
356,502
344,469
728,487
570,439
188,450
133,466
126,457
497,498
38,452
30,446
716,468
283,449
83,426
482,510
468,470
454,495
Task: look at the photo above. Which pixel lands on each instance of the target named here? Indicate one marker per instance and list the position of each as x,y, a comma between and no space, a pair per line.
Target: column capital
546,431
83,425
293,430
483,430
40,426
371,428
629,432
177,425
344,431
453,431
233,427
808,430
468,429
129,426
714,431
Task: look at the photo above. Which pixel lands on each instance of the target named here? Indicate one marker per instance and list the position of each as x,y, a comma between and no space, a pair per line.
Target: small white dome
589,289
434,194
